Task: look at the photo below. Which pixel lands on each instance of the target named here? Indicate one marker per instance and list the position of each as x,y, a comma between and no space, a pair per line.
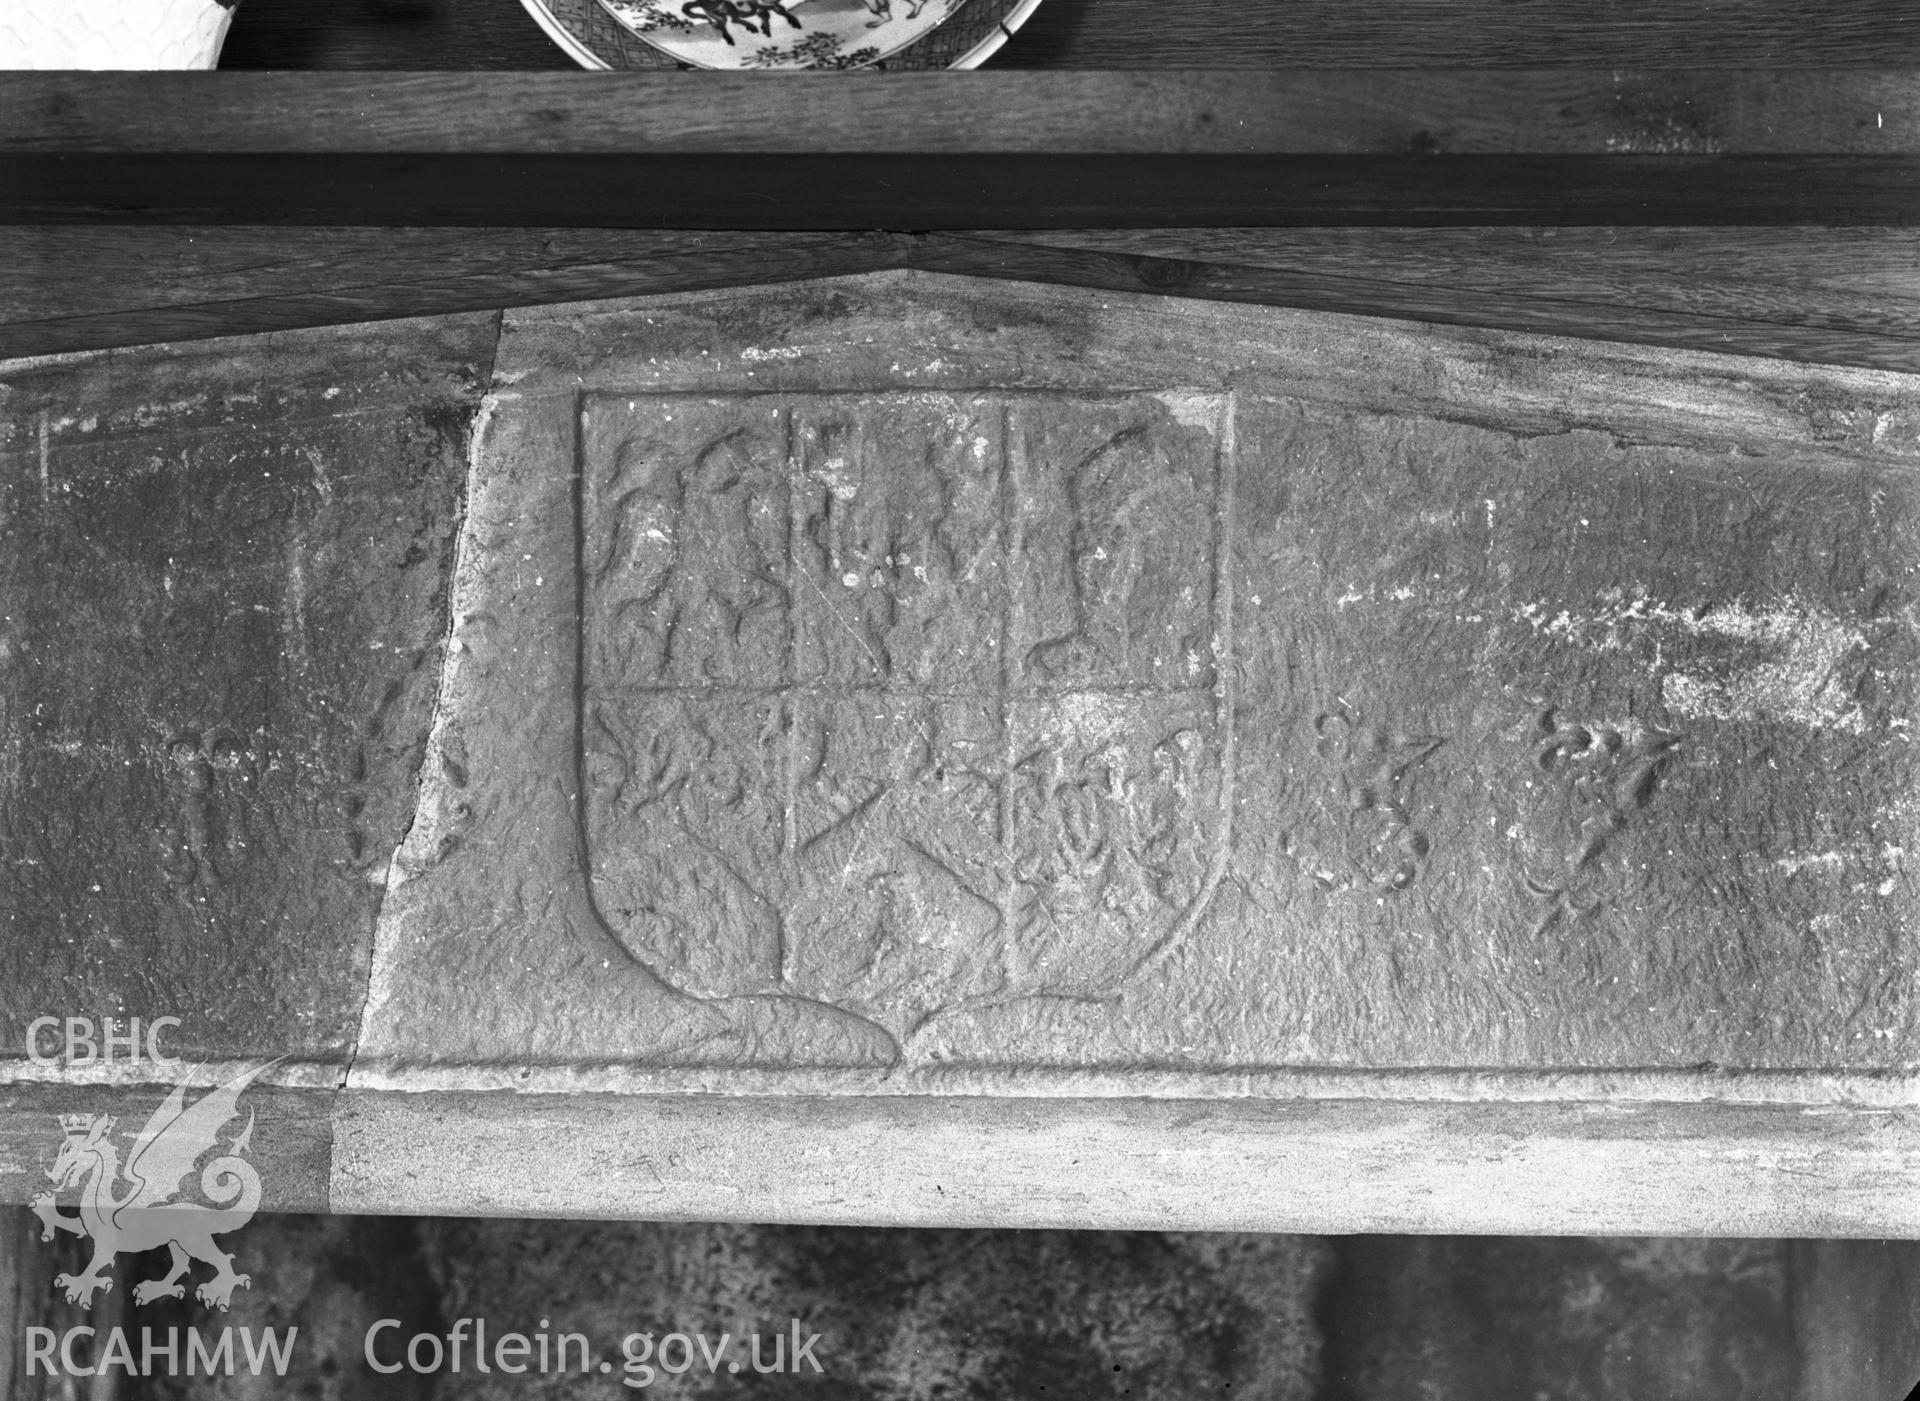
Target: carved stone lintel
900,673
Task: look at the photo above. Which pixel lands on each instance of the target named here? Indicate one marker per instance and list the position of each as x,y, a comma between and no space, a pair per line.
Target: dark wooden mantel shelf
1767,211
1010,150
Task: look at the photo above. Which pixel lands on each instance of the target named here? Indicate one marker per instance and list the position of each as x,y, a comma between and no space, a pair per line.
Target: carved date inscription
904,702
1596,777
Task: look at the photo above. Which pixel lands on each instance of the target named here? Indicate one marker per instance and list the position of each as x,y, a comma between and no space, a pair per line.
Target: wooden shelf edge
956,150
1427,112
78,290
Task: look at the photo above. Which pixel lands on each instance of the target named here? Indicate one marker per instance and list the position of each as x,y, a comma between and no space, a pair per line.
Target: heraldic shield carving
905,702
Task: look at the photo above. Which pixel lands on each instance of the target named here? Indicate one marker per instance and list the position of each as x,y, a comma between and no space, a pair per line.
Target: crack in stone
479,417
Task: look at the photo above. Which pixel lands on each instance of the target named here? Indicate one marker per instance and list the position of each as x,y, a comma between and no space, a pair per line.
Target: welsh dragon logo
148,1212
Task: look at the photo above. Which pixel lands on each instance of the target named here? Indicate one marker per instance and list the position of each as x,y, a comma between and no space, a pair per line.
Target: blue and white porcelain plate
784,35
790,34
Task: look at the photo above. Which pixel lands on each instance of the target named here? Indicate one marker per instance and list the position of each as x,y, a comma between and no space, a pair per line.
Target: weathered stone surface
329,1277
904,1314
223,578
27,1265
1856,1312
290,1143
938,678
959,755
1137,1151
1040,1314
1562,1320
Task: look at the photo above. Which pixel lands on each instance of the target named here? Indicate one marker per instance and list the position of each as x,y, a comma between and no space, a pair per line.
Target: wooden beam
1380,276
954,151
89,288
1282,112
1836,296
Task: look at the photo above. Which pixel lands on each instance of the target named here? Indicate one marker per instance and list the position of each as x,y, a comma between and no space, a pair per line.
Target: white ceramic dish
781,34
813,34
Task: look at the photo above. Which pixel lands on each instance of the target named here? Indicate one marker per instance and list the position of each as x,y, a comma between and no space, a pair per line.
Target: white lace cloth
112,33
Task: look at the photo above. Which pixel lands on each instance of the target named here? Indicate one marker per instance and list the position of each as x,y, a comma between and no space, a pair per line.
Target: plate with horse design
780,34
